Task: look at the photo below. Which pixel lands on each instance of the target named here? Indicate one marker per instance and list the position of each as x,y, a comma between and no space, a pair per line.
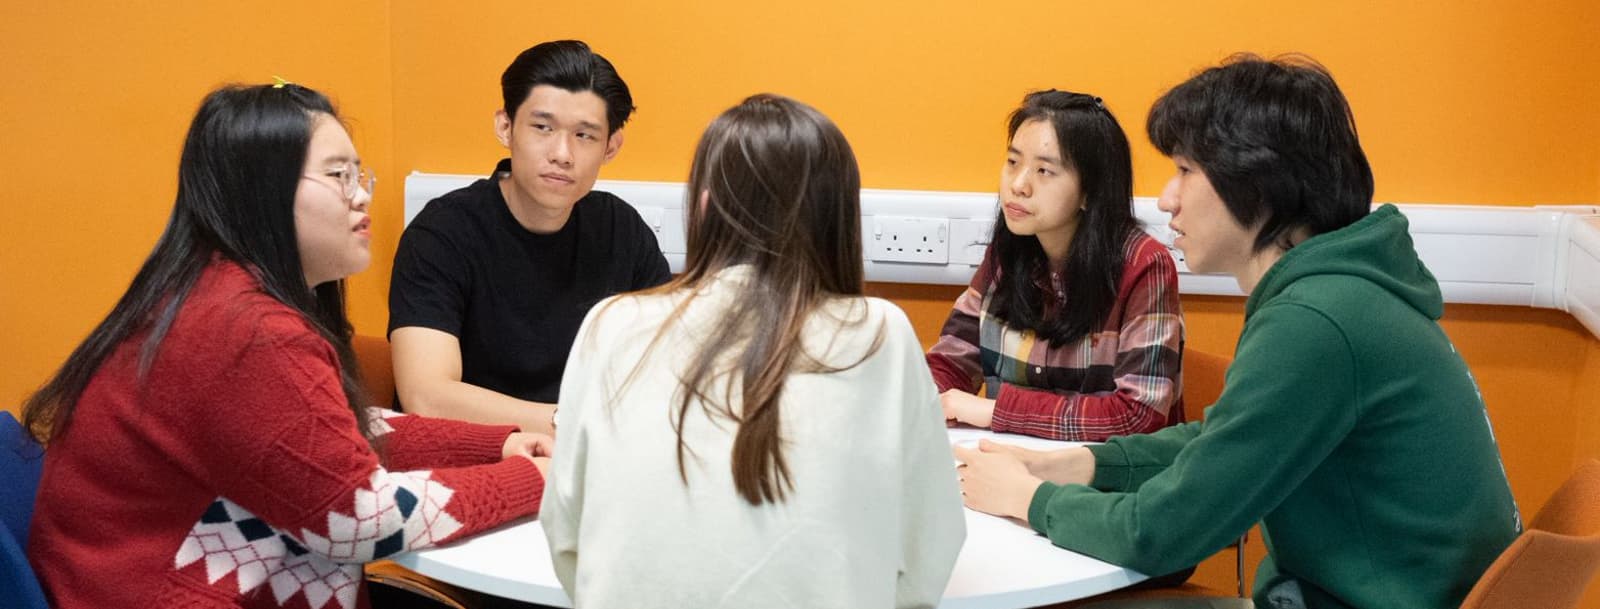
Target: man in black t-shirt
492,281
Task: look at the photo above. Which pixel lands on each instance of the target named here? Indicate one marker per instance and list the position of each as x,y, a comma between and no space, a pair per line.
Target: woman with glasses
209,443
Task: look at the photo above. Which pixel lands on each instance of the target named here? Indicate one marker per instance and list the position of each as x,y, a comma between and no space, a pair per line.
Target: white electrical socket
969,239
654,217
907,239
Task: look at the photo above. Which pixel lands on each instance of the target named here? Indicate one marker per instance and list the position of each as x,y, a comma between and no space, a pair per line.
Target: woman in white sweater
755,433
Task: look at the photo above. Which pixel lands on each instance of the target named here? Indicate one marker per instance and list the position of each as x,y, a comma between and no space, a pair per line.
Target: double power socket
925,240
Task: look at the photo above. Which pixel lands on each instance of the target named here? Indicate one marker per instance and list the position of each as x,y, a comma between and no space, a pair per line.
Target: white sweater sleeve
933,526
562,510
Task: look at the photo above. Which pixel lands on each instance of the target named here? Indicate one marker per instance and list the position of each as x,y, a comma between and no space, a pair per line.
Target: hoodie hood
1377,248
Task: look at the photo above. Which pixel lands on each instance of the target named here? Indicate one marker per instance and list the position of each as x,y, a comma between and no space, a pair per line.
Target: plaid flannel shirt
1123,378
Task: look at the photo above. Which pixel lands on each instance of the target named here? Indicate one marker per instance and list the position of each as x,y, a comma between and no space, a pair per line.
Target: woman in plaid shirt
1073,334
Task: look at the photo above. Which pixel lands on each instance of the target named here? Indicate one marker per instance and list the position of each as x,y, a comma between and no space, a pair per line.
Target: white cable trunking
1543,256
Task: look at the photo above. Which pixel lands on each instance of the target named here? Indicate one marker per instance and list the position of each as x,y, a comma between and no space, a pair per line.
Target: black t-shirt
515,298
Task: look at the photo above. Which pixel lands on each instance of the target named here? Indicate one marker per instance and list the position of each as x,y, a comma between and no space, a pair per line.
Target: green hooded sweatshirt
1348,426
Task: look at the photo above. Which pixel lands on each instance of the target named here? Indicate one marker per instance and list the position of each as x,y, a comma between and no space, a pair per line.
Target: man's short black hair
571,66
1277,141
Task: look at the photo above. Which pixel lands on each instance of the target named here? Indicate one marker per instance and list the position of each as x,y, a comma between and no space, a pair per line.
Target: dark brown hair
774,186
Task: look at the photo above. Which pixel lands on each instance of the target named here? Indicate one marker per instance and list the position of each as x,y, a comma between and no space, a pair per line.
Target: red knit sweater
234,474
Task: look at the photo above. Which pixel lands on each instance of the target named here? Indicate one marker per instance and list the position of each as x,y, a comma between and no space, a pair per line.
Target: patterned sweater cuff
1013,410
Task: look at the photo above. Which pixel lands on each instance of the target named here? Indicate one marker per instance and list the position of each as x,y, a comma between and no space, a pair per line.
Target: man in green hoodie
1348,424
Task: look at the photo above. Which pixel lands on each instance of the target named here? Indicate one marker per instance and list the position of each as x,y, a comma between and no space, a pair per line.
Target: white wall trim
1578,269
1543,256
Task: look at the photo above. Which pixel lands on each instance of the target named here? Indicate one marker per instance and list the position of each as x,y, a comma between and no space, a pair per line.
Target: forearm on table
1066,466
467,402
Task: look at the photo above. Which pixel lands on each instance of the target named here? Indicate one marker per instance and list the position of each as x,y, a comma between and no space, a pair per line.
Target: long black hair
1093,144
241,165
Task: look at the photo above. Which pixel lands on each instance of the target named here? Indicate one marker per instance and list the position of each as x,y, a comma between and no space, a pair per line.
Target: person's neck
533,217
1257,268
1056,244
1258,265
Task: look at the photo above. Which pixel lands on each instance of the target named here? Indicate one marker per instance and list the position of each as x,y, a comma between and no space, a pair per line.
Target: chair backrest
377,370
1202,381
1549,565
21,463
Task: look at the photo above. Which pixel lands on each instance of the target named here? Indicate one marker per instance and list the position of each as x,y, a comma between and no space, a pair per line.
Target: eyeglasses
352,180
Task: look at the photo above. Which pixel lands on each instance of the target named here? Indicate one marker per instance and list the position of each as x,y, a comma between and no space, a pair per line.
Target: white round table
1003,564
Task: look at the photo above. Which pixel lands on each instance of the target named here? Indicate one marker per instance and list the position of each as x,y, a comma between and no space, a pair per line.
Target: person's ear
613,145
502,127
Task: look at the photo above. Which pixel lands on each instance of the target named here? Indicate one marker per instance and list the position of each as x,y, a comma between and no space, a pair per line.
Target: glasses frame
355,179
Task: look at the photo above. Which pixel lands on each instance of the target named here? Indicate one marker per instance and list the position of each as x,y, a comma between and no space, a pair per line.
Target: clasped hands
1001,479
536,447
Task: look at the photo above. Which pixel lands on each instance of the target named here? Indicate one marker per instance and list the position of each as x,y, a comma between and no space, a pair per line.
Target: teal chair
21,462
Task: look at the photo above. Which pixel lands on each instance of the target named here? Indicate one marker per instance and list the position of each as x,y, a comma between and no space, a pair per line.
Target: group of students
755,431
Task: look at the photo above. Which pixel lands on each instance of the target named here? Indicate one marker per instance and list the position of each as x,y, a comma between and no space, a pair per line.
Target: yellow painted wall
1457,101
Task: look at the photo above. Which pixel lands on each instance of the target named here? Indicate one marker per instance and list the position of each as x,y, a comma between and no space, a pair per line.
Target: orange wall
1459,102
1586,390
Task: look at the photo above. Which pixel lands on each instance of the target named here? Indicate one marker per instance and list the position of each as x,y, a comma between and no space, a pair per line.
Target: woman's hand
995,482
543,463
963,407
1066,466
528,445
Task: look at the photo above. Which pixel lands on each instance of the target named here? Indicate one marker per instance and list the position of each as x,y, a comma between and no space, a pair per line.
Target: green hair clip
279,82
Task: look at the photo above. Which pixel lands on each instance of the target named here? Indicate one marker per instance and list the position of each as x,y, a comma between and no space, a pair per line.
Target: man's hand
1066,466
963,407
995,482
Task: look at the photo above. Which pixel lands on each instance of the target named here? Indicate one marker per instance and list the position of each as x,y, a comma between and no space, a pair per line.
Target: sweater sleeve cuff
1004,405
483,443
521,484
1040,506
1110,467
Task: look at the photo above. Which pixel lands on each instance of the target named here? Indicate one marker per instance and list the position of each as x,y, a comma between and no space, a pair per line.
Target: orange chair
1203,379
377,370
388,573
1549,565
